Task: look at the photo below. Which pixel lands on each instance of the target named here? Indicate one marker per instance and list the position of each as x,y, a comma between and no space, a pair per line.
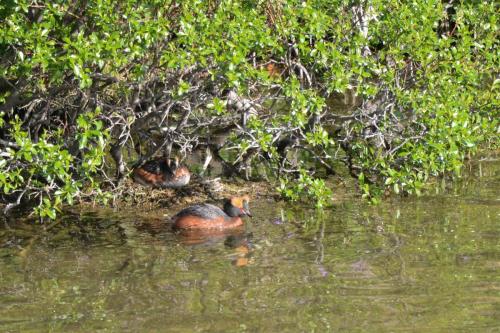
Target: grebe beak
246,209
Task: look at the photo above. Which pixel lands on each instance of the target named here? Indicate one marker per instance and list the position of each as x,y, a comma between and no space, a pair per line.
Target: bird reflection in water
235,239
242,248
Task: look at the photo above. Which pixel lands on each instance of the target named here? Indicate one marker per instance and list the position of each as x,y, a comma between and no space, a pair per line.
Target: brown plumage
160,173
207,216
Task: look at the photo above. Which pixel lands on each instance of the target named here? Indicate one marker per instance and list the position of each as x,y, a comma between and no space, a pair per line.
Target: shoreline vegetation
160,203
288,99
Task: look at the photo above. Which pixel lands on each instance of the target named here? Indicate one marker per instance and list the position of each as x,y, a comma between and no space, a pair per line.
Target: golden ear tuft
239,201
236,202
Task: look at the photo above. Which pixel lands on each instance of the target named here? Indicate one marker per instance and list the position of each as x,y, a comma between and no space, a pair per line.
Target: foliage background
253,83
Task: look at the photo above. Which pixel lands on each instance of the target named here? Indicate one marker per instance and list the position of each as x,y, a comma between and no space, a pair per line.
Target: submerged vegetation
388,92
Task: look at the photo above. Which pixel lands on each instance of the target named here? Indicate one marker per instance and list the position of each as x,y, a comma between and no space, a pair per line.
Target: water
428,264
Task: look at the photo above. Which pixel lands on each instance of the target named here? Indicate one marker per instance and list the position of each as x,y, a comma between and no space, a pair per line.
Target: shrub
257,83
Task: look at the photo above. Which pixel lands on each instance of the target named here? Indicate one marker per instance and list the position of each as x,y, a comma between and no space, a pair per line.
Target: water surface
428,264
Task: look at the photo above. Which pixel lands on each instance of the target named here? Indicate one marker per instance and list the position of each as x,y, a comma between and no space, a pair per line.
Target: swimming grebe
207,216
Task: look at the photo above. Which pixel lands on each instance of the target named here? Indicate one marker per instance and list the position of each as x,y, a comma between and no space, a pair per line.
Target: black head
237,206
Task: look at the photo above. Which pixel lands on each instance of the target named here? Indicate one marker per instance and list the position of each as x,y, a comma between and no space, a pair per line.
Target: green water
428,264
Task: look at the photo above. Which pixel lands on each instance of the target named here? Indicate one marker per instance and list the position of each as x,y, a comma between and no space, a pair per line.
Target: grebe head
172,163
237,206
